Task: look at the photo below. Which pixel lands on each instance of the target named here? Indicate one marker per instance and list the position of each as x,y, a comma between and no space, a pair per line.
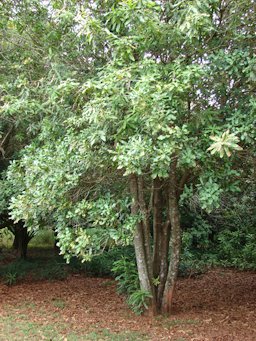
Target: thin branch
3,141
182,182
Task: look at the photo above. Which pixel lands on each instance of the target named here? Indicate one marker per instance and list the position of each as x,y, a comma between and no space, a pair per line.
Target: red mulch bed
219,306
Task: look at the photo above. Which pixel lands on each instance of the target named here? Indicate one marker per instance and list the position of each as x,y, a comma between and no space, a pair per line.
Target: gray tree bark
139,244
175,242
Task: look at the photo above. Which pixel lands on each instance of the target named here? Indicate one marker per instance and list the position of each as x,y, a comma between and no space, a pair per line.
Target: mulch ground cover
219,305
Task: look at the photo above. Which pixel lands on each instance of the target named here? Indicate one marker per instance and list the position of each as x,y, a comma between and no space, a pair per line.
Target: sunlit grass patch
171,323
107,335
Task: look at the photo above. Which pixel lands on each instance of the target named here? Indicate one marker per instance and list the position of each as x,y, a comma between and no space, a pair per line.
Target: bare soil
217,306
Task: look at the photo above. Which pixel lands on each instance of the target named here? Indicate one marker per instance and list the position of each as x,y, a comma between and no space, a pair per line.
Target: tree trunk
166,239
22,248
21,234
163,262
15,244
157,225
145,226
139,244
175,242
21,240
22,245
161,240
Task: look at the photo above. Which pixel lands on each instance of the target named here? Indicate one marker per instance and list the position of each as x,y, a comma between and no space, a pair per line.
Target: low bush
237,249
38,269
6,238
138,301
53,271
10,278
102,264
126,275
11,273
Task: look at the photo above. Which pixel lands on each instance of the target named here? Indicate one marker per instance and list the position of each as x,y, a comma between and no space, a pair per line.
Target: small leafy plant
128,283
10,278
139,301
126,275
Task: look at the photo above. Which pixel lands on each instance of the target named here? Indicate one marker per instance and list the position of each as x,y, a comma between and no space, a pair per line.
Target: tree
163,109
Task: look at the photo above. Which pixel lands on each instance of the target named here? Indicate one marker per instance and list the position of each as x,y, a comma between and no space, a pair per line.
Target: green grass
171,323
12,329
59,303
19,329
106,335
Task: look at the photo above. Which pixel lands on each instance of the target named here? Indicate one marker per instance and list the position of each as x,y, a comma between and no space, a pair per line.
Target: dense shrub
102,264
11,273
224,237
126,274
37,269
237,249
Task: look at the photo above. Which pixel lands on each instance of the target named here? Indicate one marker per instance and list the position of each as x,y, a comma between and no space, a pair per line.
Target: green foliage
225,237
126,275
10,278
53,271
139,301
38,269
107,223
15,271
209,194
224,143
197,248
6,238
236,240
237,248
102,265
132,108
